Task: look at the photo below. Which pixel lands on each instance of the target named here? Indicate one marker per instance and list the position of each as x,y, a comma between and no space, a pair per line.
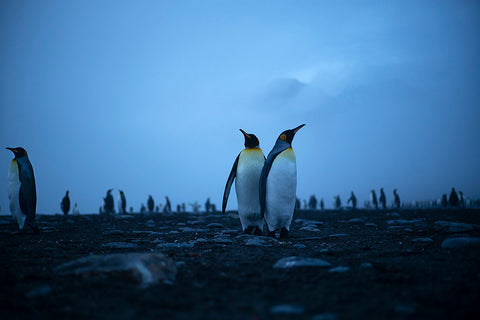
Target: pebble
325,316
393,214
355,220
339,269
175,245
113,232
461,243
369,224
143,268
310,228
290,309
120,245
261,242
299,246
453,226
215,225
404,309
401,221
422,240
294,261
188,229
366,265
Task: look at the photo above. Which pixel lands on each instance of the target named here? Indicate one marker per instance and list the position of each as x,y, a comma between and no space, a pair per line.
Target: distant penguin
453,198
382,199
337,202
278,185
21,190
373,197
109,206
75,209
444,201
396,199
150,204
168,206
65,205
461,200
246,172
122,203
353,200
322,204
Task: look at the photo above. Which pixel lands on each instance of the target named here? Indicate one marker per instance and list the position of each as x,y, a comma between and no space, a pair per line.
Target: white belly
281,191
13,186
249,168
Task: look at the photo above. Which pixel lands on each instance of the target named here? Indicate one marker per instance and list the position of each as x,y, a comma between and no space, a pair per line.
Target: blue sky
148,96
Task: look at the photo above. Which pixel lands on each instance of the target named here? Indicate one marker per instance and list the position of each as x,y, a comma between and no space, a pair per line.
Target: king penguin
65,204
246,173
278,185
21,189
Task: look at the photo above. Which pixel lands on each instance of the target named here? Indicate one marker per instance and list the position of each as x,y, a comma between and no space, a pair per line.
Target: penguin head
18,152
121,192
109,191
251,141
67,192
288,135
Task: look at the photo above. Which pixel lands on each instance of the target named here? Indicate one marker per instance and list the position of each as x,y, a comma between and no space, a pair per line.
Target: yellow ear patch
283,137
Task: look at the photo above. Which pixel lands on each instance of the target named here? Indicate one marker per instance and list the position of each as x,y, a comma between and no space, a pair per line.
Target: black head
67,192
109,190
121,192
251,141
18,152
288,135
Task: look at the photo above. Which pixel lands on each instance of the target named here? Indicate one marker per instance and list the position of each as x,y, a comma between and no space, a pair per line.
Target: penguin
75,209
278,185
22,192
373,196
122,203
453,199
353,200
150,204
108,203
382,199
246,172
397,198
65,205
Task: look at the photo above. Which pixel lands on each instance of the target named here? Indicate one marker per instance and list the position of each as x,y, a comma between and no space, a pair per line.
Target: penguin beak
245,134
11,149
298,128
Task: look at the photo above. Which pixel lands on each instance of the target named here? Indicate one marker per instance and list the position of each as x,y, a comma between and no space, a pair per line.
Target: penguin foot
283,233
248,230
271,234
257,231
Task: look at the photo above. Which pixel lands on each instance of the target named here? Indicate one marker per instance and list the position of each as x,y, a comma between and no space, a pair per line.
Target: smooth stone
291,309
339,269
143,268
401,221
337,235
325,316
119,245
188,229
366,265
355,220
422,240
123,216
215,225
299,246
260,242
147,232
453,226
393,214
310,228
405,309
369,224
461,243
175,245
41,291
294,261
113,232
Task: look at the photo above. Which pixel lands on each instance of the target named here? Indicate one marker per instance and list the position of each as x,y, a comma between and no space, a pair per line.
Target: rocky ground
421,264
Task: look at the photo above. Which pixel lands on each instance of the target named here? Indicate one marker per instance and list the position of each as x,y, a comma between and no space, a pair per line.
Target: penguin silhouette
65,205
22,192
373,197
109,205
278,184
382,199
150,204
453,199
353,200
122,203
396,199
246,171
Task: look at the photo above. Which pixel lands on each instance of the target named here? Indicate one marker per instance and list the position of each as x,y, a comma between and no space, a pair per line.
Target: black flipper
27,193
228,186
279,147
